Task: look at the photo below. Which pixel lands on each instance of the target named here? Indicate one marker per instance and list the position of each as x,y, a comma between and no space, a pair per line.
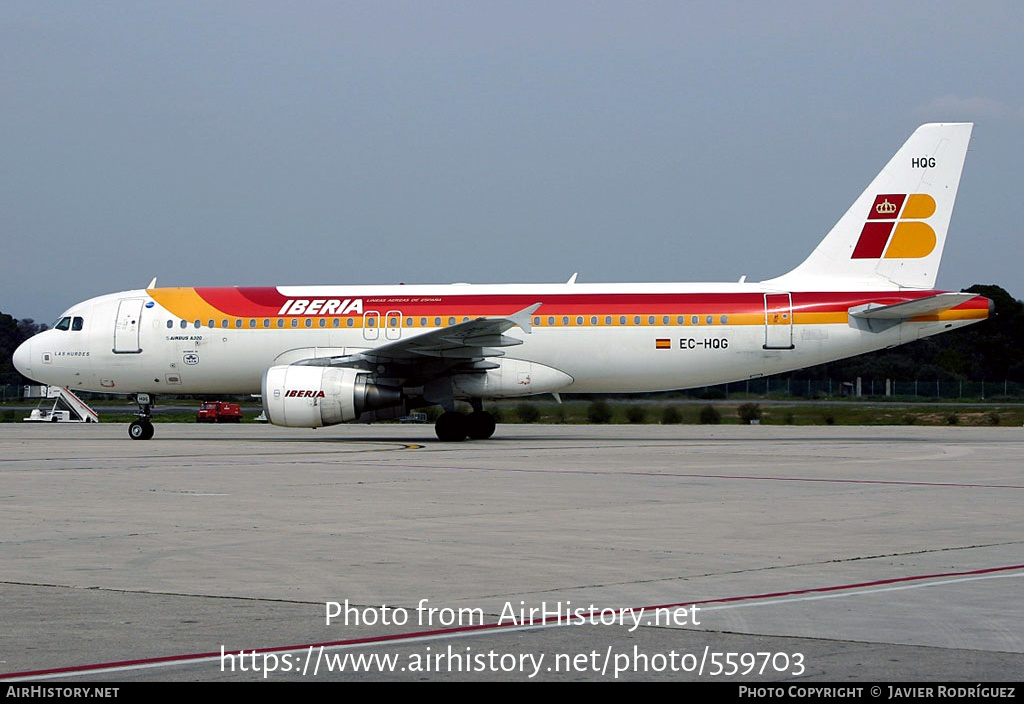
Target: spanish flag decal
662,344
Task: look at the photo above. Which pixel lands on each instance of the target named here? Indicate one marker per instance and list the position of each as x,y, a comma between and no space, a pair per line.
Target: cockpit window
64,323
77,323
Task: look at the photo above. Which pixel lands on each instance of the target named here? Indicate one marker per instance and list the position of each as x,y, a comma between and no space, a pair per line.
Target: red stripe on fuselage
267,302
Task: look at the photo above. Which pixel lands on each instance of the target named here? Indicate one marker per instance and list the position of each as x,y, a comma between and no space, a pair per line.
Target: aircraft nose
22,358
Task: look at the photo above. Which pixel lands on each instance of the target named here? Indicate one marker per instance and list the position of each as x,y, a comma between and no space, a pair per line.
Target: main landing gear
142,429
453,426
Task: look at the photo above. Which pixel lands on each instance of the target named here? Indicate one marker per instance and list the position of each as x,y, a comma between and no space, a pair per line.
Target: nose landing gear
142,429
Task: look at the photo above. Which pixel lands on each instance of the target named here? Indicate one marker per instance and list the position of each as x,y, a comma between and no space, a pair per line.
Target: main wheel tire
451,427
480,425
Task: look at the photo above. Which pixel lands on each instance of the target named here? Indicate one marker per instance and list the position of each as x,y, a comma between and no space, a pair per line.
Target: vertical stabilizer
894,233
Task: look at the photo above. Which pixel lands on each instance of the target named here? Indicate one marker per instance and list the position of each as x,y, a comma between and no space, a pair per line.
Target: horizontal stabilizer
932,305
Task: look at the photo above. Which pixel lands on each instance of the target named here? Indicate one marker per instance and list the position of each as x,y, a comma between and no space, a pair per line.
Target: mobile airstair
58,405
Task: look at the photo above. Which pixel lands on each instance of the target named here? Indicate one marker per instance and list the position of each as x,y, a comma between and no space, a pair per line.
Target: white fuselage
605,338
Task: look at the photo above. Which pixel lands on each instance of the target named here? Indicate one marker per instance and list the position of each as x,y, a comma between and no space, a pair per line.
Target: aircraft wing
932,305
469,341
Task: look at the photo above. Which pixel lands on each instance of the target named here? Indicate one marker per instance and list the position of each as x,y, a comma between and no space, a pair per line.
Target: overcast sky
262,143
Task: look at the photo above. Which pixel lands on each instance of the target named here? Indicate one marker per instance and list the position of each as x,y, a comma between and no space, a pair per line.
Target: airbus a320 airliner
322,355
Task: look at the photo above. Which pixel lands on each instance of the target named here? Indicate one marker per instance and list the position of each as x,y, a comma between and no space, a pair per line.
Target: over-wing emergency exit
322,355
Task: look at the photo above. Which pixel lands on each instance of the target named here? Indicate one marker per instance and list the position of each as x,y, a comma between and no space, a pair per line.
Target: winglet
524,318
152,284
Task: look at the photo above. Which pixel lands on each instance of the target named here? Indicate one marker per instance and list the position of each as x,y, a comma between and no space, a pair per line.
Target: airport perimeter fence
877,389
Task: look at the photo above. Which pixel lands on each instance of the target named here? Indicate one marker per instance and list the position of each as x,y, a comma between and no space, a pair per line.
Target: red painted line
835,481
551,620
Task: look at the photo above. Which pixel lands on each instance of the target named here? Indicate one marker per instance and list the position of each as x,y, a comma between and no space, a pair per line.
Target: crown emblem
885,208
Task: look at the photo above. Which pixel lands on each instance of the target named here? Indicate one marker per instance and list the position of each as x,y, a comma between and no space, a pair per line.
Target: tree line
12,333
986,351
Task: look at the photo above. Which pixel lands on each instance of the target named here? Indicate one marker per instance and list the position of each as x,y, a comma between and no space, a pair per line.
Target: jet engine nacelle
298,396
514,377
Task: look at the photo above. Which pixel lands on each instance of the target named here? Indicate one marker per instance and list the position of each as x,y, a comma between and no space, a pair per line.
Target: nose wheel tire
140,430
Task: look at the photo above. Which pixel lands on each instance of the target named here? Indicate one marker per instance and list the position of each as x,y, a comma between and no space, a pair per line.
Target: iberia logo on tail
895,228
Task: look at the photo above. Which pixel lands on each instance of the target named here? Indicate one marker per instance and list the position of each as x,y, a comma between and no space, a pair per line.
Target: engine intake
298,396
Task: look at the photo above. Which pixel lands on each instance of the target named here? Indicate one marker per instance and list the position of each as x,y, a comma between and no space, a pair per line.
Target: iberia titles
322,306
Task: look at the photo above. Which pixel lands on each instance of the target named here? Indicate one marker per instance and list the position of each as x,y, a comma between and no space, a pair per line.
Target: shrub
599,412
636,414
709,415
527,413
671,416
749,412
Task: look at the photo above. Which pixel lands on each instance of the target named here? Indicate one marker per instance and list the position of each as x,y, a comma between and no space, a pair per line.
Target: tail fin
893,235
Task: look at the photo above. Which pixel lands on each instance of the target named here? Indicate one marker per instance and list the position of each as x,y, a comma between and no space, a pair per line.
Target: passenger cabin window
170,324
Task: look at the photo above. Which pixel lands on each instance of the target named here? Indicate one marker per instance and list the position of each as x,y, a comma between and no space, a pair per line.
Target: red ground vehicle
219,412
